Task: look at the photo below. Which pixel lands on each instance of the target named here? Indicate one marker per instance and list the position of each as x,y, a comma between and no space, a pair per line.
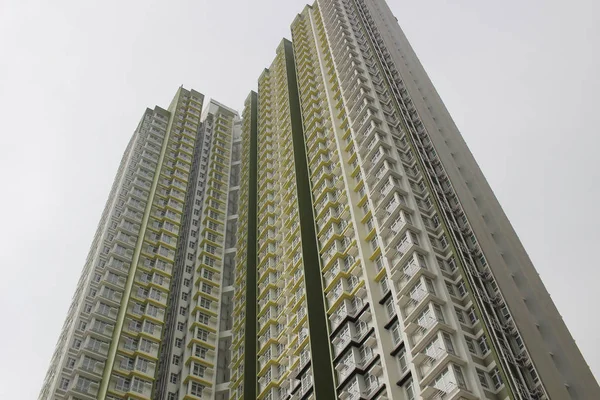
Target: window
196,389
448,342
429,285
126,363
442,264
87,309
182,310
171,396
438,312
184,296
83,384
505,313
410,393
186,282
206,288
76,343
384,285
174,378
149,327
64,383
134,325
130,343
188,269
389,308
152,310
70,362
534,376
483,346
460,379
472,315
374,244
203,318
142,292
180,326
142,365
138,308
108,292
460,315
97,277
482,379
450,288
190,257
198,370
482,260
95,344
200,351
473,240
496,379
395,331
207,274
402,360
202,334
176,359
452,264
205,303
471,345
461,288
82,325
178,343
104,309
494,286
145,345
519,342
444,241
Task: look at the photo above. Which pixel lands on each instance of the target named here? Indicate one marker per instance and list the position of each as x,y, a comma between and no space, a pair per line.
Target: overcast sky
520,78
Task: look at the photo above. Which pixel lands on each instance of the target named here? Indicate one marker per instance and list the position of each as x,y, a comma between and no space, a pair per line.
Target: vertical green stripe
250,339
324,384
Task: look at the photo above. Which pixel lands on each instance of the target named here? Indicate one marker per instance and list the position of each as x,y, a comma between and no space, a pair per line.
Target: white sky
519,77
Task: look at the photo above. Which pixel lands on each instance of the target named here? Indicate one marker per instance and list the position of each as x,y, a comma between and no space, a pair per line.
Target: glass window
410,393
471,346
482,379
402,360
496,379
483,346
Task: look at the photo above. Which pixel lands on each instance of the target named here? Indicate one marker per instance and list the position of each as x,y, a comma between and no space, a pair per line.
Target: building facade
151,317
385,267
337,241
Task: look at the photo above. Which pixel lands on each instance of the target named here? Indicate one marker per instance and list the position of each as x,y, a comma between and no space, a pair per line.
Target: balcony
409,274
94,368
414,297
105,330
88,389
447,391
95,347
113,297
118,266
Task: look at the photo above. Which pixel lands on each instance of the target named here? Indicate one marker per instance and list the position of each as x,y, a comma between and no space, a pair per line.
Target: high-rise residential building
383,266
151,316
337,241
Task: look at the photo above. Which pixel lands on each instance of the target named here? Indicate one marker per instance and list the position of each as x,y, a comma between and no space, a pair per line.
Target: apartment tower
151,316
383,265
338,241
